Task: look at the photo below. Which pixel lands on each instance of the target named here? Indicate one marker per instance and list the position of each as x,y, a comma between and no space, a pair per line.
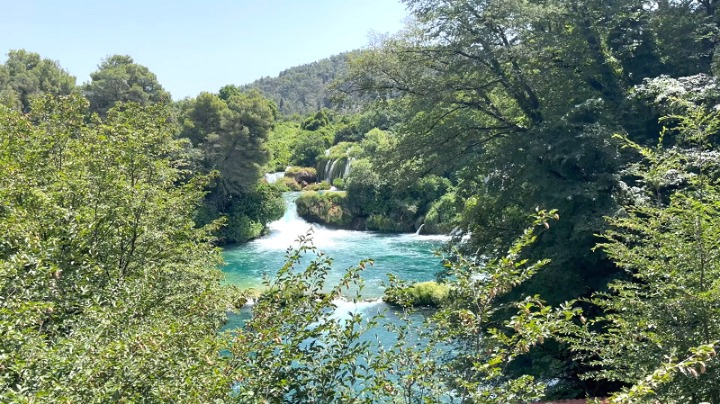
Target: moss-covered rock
421,294
318,186
291,184
302,175
327,208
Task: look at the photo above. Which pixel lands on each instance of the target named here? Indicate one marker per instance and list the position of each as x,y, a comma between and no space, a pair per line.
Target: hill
305,89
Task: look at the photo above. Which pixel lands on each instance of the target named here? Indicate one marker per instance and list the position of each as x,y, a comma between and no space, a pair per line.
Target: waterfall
417,233
273,177
347,167
330,169
331,175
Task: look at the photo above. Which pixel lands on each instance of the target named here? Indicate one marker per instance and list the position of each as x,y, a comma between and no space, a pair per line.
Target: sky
195,46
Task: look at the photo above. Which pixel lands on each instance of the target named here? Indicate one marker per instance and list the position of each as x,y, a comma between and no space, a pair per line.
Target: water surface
408,256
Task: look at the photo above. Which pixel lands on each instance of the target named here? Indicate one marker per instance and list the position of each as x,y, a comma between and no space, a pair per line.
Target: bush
339,183
326,208
444,214
291,184
240,229
421,294
307,148
318,186
384,224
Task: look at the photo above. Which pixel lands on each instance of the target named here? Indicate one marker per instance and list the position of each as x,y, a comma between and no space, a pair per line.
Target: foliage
477,348
668,244
305,89
25,75
280,141
319,186
364,186
291,184
391,207
231,136
444,214
387,224
421,294
315,122
517,101
119,79
308,146
328,208
110,292
295,348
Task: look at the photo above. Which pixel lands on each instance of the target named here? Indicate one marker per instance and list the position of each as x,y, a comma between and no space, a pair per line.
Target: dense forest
305,89
570,148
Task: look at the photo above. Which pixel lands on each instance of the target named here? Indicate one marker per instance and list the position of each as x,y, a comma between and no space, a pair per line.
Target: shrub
326,208
421,294
318,186
291,184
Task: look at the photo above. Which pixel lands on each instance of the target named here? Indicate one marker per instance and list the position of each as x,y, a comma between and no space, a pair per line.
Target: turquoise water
408,256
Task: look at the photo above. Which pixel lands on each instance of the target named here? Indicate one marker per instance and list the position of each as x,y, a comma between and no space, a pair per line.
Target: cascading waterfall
328,165
332,169
346,172
271,178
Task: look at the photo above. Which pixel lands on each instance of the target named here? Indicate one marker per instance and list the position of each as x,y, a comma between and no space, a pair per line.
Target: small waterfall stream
331,169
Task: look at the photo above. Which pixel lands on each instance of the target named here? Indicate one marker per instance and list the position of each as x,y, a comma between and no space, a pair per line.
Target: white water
271,178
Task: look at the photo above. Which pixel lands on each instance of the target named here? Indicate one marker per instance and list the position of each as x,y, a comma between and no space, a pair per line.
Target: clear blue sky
194,46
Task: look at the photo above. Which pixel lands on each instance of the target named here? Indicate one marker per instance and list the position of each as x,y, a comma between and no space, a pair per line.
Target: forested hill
304,89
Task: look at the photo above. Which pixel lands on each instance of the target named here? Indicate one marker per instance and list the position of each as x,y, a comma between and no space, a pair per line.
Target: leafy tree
315,122
668,243
110,292
519,101
308,146
229,91
202,117
231,135
25,74
120,79
280,141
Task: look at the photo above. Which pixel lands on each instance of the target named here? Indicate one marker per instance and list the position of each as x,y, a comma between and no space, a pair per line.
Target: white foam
344,309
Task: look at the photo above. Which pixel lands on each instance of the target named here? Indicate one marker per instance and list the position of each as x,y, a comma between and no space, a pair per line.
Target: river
408,256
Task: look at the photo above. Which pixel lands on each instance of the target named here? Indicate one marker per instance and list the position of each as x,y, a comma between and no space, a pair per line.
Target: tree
306,148
231,135
110,292
517,102
120,79
26,74
668,243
